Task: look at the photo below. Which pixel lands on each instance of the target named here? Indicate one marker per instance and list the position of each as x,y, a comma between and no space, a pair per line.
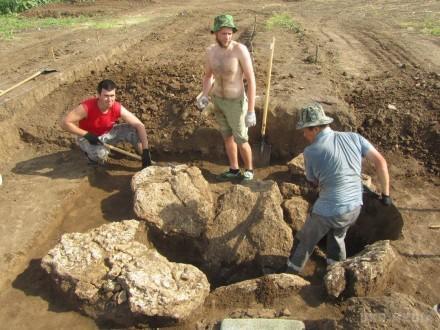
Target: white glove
250,119
202,102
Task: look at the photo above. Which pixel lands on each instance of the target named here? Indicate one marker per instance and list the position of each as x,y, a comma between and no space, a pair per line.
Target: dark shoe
228,175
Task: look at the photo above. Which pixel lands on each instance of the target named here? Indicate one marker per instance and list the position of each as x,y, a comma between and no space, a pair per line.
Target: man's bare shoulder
239,47
211,48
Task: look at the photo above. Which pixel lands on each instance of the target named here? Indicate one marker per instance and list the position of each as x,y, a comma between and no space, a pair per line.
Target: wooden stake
316,54
53,53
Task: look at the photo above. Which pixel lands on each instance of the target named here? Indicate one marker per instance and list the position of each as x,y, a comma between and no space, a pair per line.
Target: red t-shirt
97,122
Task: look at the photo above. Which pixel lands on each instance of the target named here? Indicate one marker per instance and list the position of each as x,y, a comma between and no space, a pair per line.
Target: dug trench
162,97
160,89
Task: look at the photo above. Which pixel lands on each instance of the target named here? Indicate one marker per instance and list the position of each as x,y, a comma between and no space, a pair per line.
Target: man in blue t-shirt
333,162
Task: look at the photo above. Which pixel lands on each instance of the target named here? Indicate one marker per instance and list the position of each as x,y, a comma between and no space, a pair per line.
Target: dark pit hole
375,223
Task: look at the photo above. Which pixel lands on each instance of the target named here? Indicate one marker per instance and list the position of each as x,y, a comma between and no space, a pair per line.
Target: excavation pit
179,134
372,82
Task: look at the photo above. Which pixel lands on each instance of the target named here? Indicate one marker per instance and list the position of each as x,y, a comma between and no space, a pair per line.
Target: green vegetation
9,24
432,28
17,6
12,23
283,21
428,26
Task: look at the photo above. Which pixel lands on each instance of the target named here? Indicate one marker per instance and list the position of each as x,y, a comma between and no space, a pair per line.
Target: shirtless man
227,64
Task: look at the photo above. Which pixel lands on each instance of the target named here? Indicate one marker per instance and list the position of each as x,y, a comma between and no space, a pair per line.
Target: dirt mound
163,96
400,111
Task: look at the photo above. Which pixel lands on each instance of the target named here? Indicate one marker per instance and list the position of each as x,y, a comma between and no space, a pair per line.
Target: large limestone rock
365,274
108,275
396,311
296,166
248,230
174,199
262,289
296,209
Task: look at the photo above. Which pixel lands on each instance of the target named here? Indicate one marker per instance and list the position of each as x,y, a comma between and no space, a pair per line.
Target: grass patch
10,24
432,28
14,23
283,21
429,26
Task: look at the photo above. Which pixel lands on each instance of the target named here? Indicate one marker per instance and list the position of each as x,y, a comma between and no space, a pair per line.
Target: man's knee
99,154
240,139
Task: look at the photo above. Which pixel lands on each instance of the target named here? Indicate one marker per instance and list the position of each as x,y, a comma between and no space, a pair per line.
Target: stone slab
266,324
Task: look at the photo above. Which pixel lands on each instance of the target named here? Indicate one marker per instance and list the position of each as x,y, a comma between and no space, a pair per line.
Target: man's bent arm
71,119
248,72
132,120
381,169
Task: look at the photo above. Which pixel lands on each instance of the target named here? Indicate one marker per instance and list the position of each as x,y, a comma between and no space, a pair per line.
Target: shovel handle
44,71
20,83
266,99
122,151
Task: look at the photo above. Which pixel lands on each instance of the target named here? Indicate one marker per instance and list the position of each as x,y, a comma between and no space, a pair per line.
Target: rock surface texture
296,166
396,311
108,275
248,229
296,211
265,288
174,199
364,274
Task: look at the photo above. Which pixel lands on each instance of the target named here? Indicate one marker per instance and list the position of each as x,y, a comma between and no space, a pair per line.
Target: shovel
122,151
44,71
261,152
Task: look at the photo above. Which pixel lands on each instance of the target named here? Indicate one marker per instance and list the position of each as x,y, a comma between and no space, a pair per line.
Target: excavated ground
376,77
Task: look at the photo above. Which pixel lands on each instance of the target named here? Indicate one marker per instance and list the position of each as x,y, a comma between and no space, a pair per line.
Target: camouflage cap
222,21
312,115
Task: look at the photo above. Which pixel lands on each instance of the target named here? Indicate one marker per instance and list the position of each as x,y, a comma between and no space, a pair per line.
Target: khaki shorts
230,114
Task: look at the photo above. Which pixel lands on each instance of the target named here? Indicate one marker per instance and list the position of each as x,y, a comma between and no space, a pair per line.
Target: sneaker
228,175
248,175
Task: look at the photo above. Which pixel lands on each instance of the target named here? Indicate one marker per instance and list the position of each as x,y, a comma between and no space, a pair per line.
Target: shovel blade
261,154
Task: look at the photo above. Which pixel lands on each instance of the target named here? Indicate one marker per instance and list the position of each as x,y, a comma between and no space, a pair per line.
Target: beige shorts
230,114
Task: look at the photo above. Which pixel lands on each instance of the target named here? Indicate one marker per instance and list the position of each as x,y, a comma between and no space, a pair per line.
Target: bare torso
227,71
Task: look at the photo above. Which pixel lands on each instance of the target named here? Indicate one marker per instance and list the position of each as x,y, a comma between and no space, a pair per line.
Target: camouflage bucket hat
312,115
222,21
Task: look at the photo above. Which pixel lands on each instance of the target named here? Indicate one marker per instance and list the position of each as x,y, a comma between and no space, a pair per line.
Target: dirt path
366,62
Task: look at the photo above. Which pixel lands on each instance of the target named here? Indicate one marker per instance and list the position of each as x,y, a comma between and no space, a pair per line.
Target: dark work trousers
314,229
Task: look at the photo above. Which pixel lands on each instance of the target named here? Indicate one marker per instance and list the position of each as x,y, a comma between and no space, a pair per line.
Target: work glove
250,119
92,138
146,158
202,102
386,200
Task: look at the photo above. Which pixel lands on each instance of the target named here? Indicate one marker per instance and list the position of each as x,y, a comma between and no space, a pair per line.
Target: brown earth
385,77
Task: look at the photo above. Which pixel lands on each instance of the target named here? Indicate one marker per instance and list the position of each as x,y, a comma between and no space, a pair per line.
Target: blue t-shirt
334,162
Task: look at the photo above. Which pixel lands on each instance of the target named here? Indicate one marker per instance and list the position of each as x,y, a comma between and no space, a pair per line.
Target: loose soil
385,77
